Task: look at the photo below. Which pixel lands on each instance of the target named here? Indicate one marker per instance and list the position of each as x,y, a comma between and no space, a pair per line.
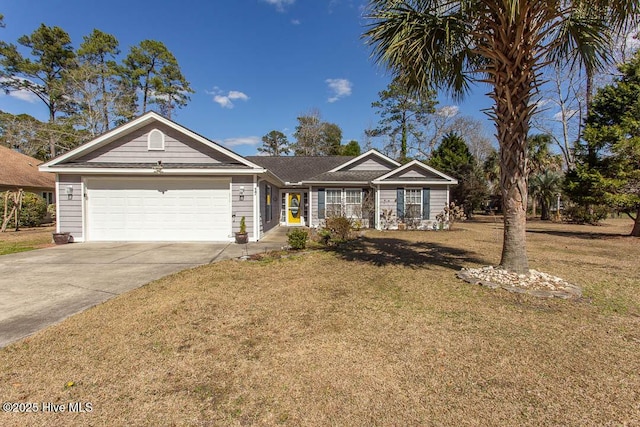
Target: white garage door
158,209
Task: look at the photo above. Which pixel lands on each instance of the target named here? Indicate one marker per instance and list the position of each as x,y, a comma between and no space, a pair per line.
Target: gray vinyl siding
370,164
438,200
178,148
241,208
70,209
313,199
388,199
275,207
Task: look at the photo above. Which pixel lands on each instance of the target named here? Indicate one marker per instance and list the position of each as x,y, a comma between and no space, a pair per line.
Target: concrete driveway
42,287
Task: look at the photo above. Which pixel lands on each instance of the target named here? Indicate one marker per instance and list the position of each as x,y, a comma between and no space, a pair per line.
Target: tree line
87,90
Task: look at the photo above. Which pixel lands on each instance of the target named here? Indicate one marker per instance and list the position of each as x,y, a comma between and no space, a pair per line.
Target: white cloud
280,4
569,114
21,94
226,101
243,140
448,111
295,22
339,88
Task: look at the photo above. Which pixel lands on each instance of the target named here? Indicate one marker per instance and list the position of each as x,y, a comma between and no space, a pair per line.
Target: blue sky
255,65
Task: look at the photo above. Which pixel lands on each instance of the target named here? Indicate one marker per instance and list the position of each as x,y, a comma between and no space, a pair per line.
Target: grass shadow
588,235
382,251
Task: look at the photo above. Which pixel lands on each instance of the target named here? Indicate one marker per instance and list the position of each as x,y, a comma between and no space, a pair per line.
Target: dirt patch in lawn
388,336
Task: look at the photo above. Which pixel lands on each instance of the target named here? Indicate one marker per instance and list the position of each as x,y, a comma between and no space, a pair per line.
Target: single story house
154,180
19,171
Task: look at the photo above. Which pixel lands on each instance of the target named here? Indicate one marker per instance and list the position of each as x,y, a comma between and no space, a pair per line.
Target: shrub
297,238
339,228
51,210
450,215
583,215
33,211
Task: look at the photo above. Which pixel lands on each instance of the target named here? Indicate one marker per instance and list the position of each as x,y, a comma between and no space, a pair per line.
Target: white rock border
535,283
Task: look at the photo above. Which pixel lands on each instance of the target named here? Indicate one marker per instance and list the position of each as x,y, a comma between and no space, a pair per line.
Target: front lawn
383,334
25,239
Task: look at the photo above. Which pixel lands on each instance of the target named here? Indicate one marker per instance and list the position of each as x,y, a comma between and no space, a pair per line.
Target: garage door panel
159,210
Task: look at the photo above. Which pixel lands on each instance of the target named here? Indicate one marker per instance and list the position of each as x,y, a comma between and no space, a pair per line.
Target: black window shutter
320,203
426,202
400,203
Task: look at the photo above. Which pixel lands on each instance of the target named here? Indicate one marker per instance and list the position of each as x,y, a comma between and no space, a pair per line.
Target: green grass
26,239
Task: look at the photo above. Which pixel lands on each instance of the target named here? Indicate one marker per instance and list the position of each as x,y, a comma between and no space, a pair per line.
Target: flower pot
61,238
242,238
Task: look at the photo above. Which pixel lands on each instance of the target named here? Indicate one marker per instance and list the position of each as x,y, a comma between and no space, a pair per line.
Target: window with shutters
155,140
413,203
333,202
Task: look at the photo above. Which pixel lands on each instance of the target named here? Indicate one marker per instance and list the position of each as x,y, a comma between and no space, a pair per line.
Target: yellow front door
294,210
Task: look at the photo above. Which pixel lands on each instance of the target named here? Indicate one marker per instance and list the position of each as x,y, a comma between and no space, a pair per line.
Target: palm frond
426,44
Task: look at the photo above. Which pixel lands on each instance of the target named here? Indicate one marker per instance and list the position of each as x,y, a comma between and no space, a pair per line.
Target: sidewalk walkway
274,240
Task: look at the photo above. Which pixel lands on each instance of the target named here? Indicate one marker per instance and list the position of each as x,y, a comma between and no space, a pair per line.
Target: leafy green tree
539,155
351,149
44,74
608,160
331,139
453,157
275,143
151,68
505,44
403,115
545,186
24,133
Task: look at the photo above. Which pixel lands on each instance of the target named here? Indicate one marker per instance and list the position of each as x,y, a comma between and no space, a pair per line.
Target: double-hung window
413,203
333,202
353,203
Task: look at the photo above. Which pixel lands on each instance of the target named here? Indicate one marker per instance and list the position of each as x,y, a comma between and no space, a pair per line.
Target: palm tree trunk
513,79
544,210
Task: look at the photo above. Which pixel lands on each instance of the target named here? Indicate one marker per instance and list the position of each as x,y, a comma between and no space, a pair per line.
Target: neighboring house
19,171
155,180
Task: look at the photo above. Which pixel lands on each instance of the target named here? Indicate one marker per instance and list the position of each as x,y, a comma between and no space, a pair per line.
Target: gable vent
155,140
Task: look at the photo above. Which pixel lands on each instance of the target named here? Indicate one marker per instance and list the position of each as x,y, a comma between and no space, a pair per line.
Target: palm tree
545,186
504,43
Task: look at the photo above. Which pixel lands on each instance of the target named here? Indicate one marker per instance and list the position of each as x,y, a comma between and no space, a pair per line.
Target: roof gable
372,160
18,170
120,144
415,171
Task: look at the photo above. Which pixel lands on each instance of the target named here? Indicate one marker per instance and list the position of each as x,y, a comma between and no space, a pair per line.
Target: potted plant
242,236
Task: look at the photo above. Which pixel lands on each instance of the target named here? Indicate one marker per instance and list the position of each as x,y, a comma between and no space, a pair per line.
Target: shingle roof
298,168
347,176
20,171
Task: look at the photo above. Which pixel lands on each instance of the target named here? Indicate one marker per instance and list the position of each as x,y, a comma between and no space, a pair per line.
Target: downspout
376,215
57,203
310,200
256,209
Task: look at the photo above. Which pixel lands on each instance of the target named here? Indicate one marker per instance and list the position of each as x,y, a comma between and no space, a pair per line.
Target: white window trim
340,203
421,203
345,204
149,147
